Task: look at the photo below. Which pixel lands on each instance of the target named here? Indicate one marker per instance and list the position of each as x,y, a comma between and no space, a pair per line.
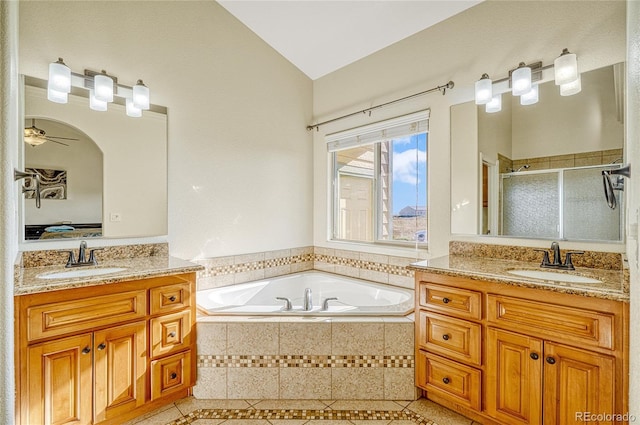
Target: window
380,181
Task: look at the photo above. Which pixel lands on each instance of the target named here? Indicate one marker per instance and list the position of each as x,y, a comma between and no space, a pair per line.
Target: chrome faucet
287,303
82,261
557,259
325,303
308,302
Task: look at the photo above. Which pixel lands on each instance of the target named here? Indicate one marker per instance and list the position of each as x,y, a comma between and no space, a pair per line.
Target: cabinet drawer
170,298
170,333
453,338
453,301
550,321
170,374
453,381
54,319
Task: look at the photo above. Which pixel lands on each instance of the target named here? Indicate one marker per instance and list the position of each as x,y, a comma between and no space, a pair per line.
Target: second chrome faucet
82,261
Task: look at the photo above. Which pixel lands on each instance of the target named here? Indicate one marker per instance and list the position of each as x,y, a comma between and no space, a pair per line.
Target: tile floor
298,412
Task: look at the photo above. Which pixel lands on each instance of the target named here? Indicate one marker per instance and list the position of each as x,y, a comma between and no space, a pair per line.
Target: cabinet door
514,377
120,367
576,382
60,381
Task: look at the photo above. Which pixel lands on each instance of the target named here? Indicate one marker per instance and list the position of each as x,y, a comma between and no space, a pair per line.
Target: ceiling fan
35,136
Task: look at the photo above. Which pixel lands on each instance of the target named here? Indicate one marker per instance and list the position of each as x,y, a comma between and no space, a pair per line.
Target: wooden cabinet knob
551,360
446,380
86,350
171,335
172,298
446,300
102,346
446,337
534,356
173,375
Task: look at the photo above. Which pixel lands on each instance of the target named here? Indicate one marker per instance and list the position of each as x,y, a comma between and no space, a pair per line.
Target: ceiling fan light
484,90
531,97
103,87
95,103
572,88
141,96
565,68
521,80
59,77
132,111
57,96
494,105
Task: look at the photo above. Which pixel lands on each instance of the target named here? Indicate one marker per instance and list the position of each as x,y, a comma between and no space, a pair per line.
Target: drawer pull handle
102,346
446,300
446,337
173,375
86,350
171,335
551,360
172,298
534,356
446,380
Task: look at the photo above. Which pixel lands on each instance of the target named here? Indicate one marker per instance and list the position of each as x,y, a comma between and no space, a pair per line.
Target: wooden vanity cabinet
90,355
502,354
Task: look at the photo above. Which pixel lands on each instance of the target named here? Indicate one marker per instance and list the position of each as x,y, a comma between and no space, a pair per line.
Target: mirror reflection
107,171
69,164
537,169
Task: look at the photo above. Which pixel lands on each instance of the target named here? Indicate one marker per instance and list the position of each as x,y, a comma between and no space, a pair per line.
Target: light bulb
57,96
531,97
141,96
565,68
59,77
521,80
484,90
494,105
103,87
132,111
95,103
571,88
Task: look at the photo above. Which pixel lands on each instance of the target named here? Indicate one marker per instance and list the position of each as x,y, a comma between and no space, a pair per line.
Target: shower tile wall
568,161
223,271
288,359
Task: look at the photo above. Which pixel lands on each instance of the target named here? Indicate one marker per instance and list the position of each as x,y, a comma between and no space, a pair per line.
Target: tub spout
287,303
308,303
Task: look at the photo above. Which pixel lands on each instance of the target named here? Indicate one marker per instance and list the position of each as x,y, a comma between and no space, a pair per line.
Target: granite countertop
27,282
614,283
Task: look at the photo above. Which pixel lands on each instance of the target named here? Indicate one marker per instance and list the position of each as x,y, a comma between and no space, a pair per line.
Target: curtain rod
442,88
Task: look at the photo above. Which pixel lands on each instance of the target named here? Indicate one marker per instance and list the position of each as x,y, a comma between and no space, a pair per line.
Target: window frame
377,201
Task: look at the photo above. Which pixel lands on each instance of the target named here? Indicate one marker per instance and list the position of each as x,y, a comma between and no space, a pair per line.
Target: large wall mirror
536,171
103,174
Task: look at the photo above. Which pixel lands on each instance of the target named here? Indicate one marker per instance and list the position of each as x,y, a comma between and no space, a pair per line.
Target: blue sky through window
409,171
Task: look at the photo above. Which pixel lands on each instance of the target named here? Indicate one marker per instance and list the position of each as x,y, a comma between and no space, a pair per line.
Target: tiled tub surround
222,271
305,358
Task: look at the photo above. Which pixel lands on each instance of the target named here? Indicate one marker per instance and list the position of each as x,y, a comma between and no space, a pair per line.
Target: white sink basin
559,277
68,274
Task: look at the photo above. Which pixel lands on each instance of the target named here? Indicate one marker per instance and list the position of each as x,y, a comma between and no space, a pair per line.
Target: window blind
394,128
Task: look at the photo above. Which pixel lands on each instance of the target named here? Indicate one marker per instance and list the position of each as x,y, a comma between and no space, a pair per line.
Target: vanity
502,348
95,347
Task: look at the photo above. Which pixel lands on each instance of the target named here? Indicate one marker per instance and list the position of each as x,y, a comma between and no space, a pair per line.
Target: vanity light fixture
102,89
522,78
495,104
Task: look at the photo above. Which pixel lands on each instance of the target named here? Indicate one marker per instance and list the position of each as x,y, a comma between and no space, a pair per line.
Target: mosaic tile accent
311,361
591,259
365,265
303,414
213,266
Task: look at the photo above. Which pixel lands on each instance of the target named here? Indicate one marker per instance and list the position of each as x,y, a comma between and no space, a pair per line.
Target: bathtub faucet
308,303
287,303
325,303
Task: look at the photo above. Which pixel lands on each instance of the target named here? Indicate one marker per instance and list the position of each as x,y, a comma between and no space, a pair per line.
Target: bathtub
355,297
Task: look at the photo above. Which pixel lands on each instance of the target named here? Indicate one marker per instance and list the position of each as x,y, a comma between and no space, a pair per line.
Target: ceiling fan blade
63,138
55,141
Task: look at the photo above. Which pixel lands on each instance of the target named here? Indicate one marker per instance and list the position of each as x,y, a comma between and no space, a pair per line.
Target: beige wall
491,37
239,169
